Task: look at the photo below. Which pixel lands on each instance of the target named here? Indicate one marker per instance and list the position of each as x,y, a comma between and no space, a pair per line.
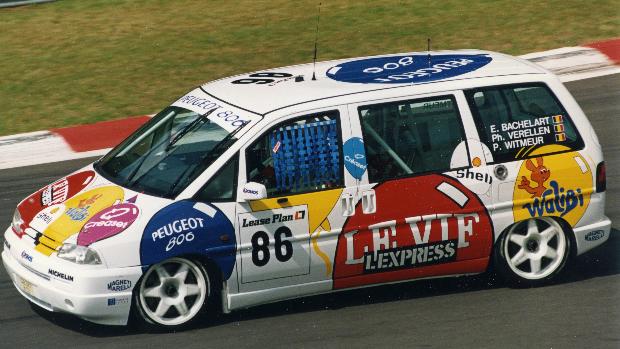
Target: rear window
515,121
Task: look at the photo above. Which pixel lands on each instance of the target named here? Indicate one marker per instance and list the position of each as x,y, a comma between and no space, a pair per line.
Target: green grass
81,61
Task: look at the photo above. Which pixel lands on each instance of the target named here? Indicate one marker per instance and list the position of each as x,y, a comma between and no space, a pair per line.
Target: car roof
362,74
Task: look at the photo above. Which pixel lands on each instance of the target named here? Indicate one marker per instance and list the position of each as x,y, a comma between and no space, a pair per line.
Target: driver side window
222,186
297,156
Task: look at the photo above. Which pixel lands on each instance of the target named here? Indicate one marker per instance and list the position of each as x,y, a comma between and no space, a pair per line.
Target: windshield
168,152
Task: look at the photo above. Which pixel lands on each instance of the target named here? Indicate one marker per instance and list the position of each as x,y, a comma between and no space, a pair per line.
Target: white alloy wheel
173,292
536,248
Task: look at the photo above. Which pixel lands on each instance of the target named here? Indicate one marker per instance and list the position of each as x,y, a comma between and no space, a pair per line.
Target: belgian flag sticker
560,137
557,119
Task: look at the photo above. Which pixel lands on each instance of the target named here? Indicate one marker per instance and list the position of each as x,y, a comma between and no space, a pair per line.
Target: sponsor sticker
595,235
118,301
226,116
554,185
355,157
401,69
55,193
411,238
119,285
187,227
107,223
279,240
60,275
410,256
77,212
26,256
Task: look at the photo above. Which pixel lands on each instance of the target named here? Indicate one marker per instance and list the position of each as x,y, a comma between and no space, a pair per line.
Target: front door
289,238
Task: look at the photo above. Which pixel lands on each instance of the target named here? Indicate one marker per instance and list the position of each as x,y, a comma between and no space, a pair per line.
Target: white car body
337,236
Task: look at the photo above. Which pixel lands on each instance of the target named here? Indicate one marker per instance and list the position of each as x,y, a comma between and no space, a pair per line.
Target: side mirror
253,191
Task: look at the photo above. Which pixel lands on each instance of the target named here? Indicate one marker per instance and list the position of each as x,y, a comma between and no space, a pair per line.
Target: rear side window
516,120
410,137
297,156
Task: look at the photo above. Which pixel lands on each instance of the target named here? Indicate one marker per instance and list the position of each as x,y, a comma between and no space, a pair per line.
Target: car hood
86,209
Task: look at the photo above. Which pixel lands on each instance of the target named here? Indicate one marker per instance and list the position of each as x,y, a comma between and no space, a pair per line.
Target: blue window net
306,156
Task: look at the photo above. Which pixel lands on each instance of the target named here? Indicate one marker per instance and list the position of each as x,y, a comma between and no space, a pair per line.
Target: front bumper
90,292
592,235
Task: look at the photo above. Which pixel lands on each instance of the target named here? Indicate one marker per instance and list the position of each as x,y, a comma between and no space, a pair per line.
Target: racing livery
382,169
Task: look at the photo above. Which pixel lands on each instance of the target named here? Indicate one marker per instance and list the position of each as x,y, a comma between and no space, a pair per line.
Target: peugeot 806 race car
274,185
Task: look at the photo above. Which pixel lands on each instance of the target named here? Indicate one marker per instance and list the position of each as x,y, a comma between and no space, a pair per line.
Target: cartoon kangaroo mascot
540,174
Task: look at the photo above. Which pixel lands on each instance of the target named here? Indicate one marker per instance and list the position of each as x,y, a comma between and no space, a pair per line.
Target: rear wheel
532,252
173,293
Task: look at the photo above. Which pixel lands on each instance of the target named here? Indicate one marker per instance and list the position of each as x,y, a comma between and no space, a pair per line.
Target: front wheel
173,293
532,252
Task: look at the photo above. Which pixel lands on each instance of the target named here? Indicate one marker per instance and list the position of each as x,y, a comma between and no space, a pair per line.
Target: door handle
346,202
369,202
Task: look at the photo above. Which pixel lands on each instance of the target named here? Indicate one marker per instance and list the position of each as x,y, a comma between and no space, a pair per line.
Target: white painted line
590,74
582,165
40,150
574,63
333,70
453,193
206,209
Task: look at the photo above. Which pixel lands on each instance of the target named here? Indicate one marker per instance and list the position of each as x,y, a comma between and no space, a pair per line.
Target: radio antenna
316,39
428,50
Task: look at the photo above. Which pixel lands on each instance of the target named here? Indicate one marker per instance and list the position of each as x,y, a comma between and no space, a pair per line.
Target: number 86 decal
261,78
282,247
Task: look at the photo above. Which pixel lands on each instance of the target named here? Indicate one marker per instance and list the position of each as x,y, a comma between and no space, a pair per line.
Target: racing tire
532,252
173,294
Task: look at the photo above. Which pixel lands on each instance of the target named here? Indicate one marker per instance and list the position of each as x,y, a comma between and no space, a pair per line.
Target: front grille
37,273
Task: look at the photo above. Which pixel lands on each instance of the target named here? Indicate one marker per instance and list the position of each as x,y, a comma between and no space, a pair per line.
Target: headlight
18,223
78,254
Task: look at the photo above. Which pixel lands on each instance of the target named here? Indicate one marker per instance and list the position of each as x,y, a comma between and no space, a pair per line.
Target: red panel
404,240
610,48
55,193
101,135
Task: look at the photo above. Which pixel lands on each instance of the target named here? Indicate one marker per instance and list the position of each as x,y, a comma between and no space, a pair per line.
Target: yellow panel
553,185
49,242
79,209
320,204
44,249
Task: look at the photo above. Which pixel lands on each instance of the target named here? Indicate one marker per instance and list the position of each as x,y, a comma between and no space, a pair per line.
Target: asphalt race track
581,311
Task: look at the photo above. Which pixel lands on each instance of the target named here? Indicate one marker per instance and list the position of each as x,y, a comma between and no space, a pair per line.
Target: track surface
581,311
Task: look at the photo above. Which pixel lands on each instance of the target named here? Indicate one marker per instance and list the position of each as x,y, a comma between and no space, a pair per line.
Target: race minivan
315,178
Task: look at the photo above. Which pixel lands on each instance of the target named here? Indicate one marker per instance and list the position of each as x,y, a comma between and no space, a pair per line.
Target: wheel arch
563,223
496,261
